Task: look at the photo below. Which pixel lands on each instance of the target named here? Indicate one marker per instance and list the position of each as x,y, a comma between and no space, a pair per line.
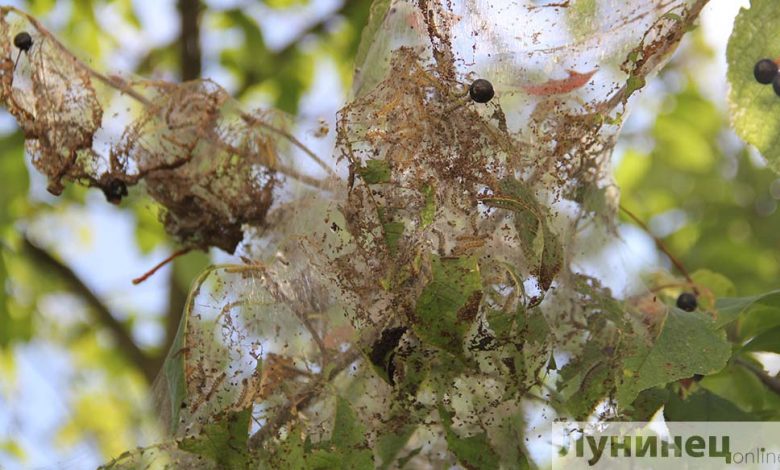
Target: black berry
687,301
115,191
481,91
23,41
776,85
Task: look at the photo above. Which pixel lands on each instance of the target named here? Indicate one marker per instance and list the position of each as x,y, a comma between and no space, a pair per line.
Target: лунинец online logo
647,445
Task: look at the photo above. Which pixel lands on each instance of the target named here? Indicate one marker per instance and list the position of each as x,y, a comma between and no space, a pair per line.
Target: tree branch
773,383
661,246
189,40
125,342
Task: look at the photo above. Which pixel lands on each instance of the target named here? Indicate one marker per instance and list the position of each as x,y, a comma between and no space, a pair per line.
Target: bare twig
257,122
173,256
189,39
661,246
125,342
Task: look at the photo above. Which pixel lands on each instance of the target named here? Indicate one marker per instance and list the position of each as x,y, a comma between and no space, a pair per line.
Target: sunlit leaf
688,344
379,8
767,341
754,107
730,308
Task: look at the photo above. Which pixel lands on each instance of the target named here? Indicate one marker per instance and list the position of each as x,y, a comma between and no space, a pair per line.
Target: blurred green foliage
107,393
715,204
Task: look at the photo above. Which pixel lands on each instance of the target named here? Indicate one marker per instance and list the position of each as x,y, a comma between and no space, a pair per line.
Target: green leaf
703,405
688,344
552,259
758,318
582,18
755,109
5,318
530,221
289,453
390,444
15,180
173,378
393,232
682,144
347,430
730,308
187,268
173,375
375,171
473,452
587,380
449,303
632,170
321,459
768,341
12,447
429,210
740,386
717,283
372,31
16,320
648,403
347,447
223,441
634,83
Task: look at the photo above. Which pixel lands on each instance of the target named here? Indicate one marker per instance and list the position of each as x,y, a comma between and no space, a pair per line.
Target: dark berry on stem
776,85
115,191
23,41
687,301
481,90
765,71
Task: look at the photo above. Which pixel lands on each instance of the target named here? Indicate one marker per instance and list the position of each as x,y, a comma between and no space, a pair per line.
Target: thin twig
661,246
249,119
148,274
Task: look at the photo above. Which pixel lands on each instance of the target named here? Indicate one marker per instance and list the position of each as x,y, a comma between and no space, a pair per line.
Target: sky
39,404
